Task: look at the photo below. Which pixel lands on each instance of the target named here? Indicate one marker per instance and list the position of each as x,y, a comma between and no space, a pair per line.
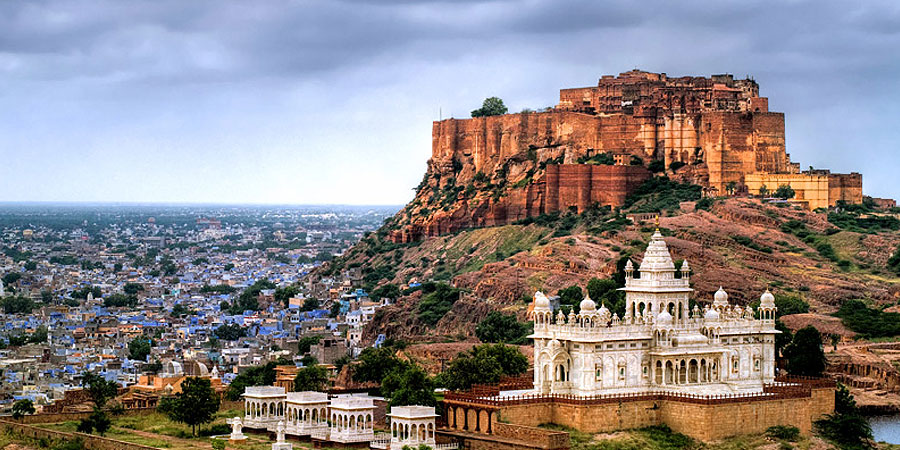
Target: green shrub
438,298
786,432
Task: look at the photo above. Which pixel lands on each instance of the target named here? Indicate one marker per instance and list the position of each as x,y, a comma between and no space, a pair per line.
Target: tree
263,375
17,304
310,304
730,187
893,263
492,106
408,386
22,407
571,296
499,327
230,332
335,309
763,191
784,192
100,390
120,301
311,378
375,364
11,278
846,427
306,342
30,265
196,404
483,364
139,348
804,354
284,295
39,335
390,291
133,288
605,291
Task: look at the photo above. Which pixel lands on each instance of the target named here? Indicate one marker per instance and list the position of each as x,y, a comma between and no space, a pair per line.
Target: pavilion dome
711,314
587,305
664,318
721,297
767,300
541,301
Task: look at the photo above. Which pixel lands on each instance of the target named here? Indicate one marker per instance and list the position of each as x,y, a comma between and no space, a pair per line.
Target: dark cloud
210,82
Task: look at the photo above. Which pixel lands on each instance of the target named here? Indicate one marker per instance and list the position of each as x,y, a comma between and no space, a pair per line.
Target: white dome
664,318
711,314
541,301
767,300
629,265
603,310
721,297
685,267
587,305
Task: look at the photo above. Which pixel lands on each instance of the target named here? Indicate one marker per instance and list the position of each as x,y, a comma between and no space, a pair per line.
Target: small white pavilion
305,412
352,419
263,406
412,425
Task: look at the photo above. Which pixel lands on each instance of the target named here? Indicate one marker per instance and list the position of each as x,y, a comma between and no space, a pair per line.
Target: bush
438,299
499,327
788,433
661,193
656,166
869,322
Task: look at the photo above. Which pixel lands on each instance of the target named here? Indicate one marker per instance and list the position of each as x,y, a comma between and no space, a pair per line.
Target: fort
716,132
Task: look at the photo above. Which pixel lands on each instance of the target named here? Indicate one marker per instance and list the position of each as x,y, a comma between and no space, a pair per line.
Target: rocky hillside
738,243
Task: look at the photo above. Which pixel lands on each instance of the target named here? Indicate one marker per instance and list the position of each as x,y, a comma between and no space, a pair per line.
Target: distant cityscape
140,293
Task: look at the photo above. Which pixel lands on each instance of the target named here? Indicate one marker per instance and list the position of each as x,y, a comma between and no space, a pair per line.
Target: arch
658,373
682,372
704,375
693,372
670,373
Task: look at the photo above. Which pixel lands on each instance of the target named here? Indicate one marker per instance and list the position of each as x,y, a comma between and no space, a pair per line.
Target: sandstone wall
91,442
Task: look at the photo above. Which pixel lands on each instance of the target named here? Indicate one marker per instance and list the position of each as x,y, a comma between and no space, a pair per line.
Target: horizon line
168,203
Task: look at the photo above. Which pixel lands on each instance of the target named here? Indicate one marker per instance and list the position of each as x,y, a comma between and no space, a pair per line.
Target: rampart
796,402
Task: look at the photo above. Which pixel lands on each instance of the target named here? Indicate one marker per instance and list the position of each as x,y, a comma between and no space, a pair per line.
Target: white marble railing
645,330
452,446
381,440
321,434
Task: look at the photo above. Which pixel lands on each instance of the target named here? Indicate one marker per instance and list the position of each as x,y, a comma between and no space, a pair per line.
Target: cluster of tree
263,375
312,377
868,322
100,391
603,291
846,427
17,304
217,289
804,354
865,223
661,194
181,309
39,335
22,408
390,291
893,263
195,405
11,278
492,106
401,382
120,301
309,304
139,348
249,298
284,295
230,332
603,159
483,364
436,300
497,327
83,292
305,344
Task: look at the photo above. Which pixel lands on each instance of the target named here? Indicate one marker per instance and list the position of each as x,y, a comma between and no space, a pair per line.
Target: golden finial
657,222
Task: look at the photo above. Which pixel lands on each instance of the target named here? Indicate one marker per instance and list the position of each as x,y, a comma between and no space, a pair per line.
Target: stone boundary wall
701,421
545,439
91,442
65,417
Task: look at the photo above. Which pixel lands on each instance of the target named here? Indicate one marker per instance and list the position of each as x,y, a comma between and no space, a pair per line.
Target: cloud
304,101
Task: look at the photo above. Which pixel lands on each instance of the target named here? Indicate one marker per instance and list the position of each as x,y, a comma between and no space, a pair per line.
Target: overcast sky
332,101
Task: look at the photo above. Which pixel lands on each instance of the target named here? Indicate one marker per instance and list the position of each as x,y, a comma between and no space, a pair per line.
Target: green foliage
218,444
98,421
604,291
139,348
99,389
571,296
284,295
863,224
704,204
120,301
11,278
310,304
230,332
785,432
17,304
132,288
602,158
181,310
248,299
750,243
196,404
804,354
784,192
786,304
218,289
846,427
374,364
263,375
492,106
311,378
305,343
656,166
438,298
661,193
22,407
499,327
869,322
386,291
482,364
408,385
893,263
675,165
